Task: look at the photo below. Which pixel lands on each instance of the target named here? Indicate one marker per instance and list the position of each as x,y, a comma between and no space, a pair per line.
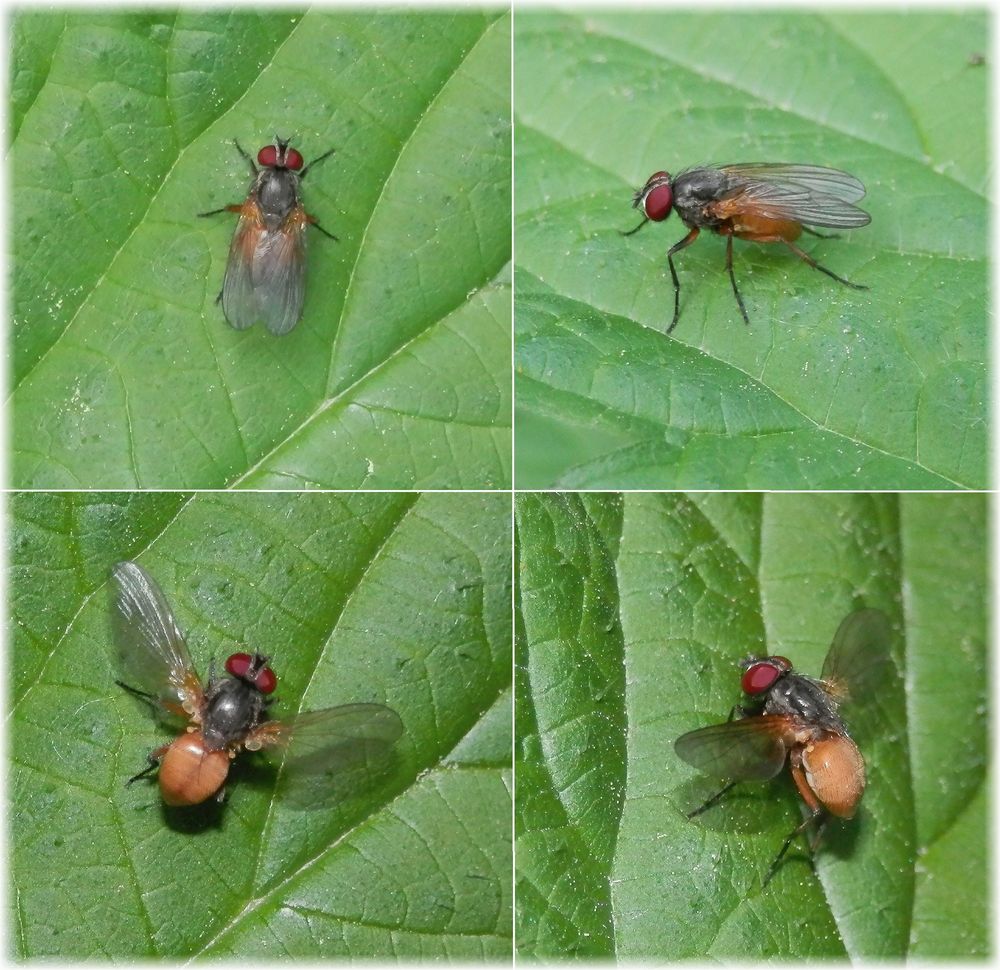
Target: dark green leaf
402,599
634,613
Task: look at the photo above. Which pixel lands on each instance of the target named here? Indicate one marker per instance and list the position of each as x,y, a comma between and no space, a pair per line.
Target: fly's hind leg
806,258
821,235
154,762
817,815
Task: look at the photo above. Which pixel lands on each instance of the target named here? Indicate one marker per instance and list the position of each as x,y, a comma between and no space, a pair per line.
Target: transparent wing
314,735
858,661
239,300
151,648
331,753
805,193
279,274
750,749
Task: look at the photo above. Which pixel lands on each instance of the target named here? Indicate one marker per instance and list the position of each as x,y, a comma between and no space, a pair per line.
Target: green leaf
126,373
398,598
570,725
828,387
634,612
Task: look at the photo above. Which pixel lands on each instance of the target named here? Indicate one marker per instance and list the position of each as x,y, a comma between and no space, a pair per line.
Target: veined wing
279,273
332,754
314,737
859,672
750,749
808,194
239,301
150,645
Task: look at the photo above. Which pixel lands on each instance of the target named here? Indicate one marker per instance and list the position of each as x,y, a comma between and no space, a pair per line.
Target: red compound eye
759,677
659,197
266,681
241,664
293,160
238,664
268,156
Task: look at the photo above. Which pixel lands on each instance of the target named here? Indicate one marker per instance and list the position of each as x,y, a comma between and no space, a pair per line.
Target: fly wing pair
266,271
808,194
154,654
754,748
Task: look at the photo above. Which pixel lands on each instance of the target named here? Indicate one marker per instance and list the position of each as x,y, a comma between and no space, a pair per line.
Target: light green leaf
126,373
402,599
828,387
634,613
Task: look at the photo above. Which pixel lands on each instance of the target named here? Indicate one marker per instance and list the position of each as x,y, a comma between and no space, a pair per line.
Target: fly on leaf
227,714
761,202
794,719
266,272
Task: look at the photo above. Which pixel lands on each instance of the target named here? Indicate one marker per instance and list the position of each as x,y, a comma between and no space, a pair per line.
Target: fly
794,719
227,714
762,202
266,272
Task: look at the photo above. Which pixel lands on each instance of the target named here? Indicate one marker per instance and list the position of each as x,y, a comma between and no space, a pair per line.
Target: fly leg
817,814
239,148
632,232
313,222
817,818
312,219
712,800
236,207
732,279
316,161
154,762
821,235
806,258
153,701
135,692
676,248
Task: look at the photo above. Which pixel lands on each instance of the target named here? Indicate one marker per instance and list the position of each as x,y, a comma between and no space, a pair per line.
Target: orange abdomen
835,772
748,225
190,773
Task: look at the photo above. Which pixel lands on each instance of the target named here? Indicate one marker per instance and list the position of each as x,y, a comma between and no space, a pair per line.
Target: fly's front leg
316,161
676,248
239,148
632,232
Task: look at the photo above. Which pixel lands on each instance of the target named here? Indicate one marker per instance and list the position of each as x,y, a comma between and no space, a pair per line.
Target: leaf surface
125,372
634,612
828,387
399,599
